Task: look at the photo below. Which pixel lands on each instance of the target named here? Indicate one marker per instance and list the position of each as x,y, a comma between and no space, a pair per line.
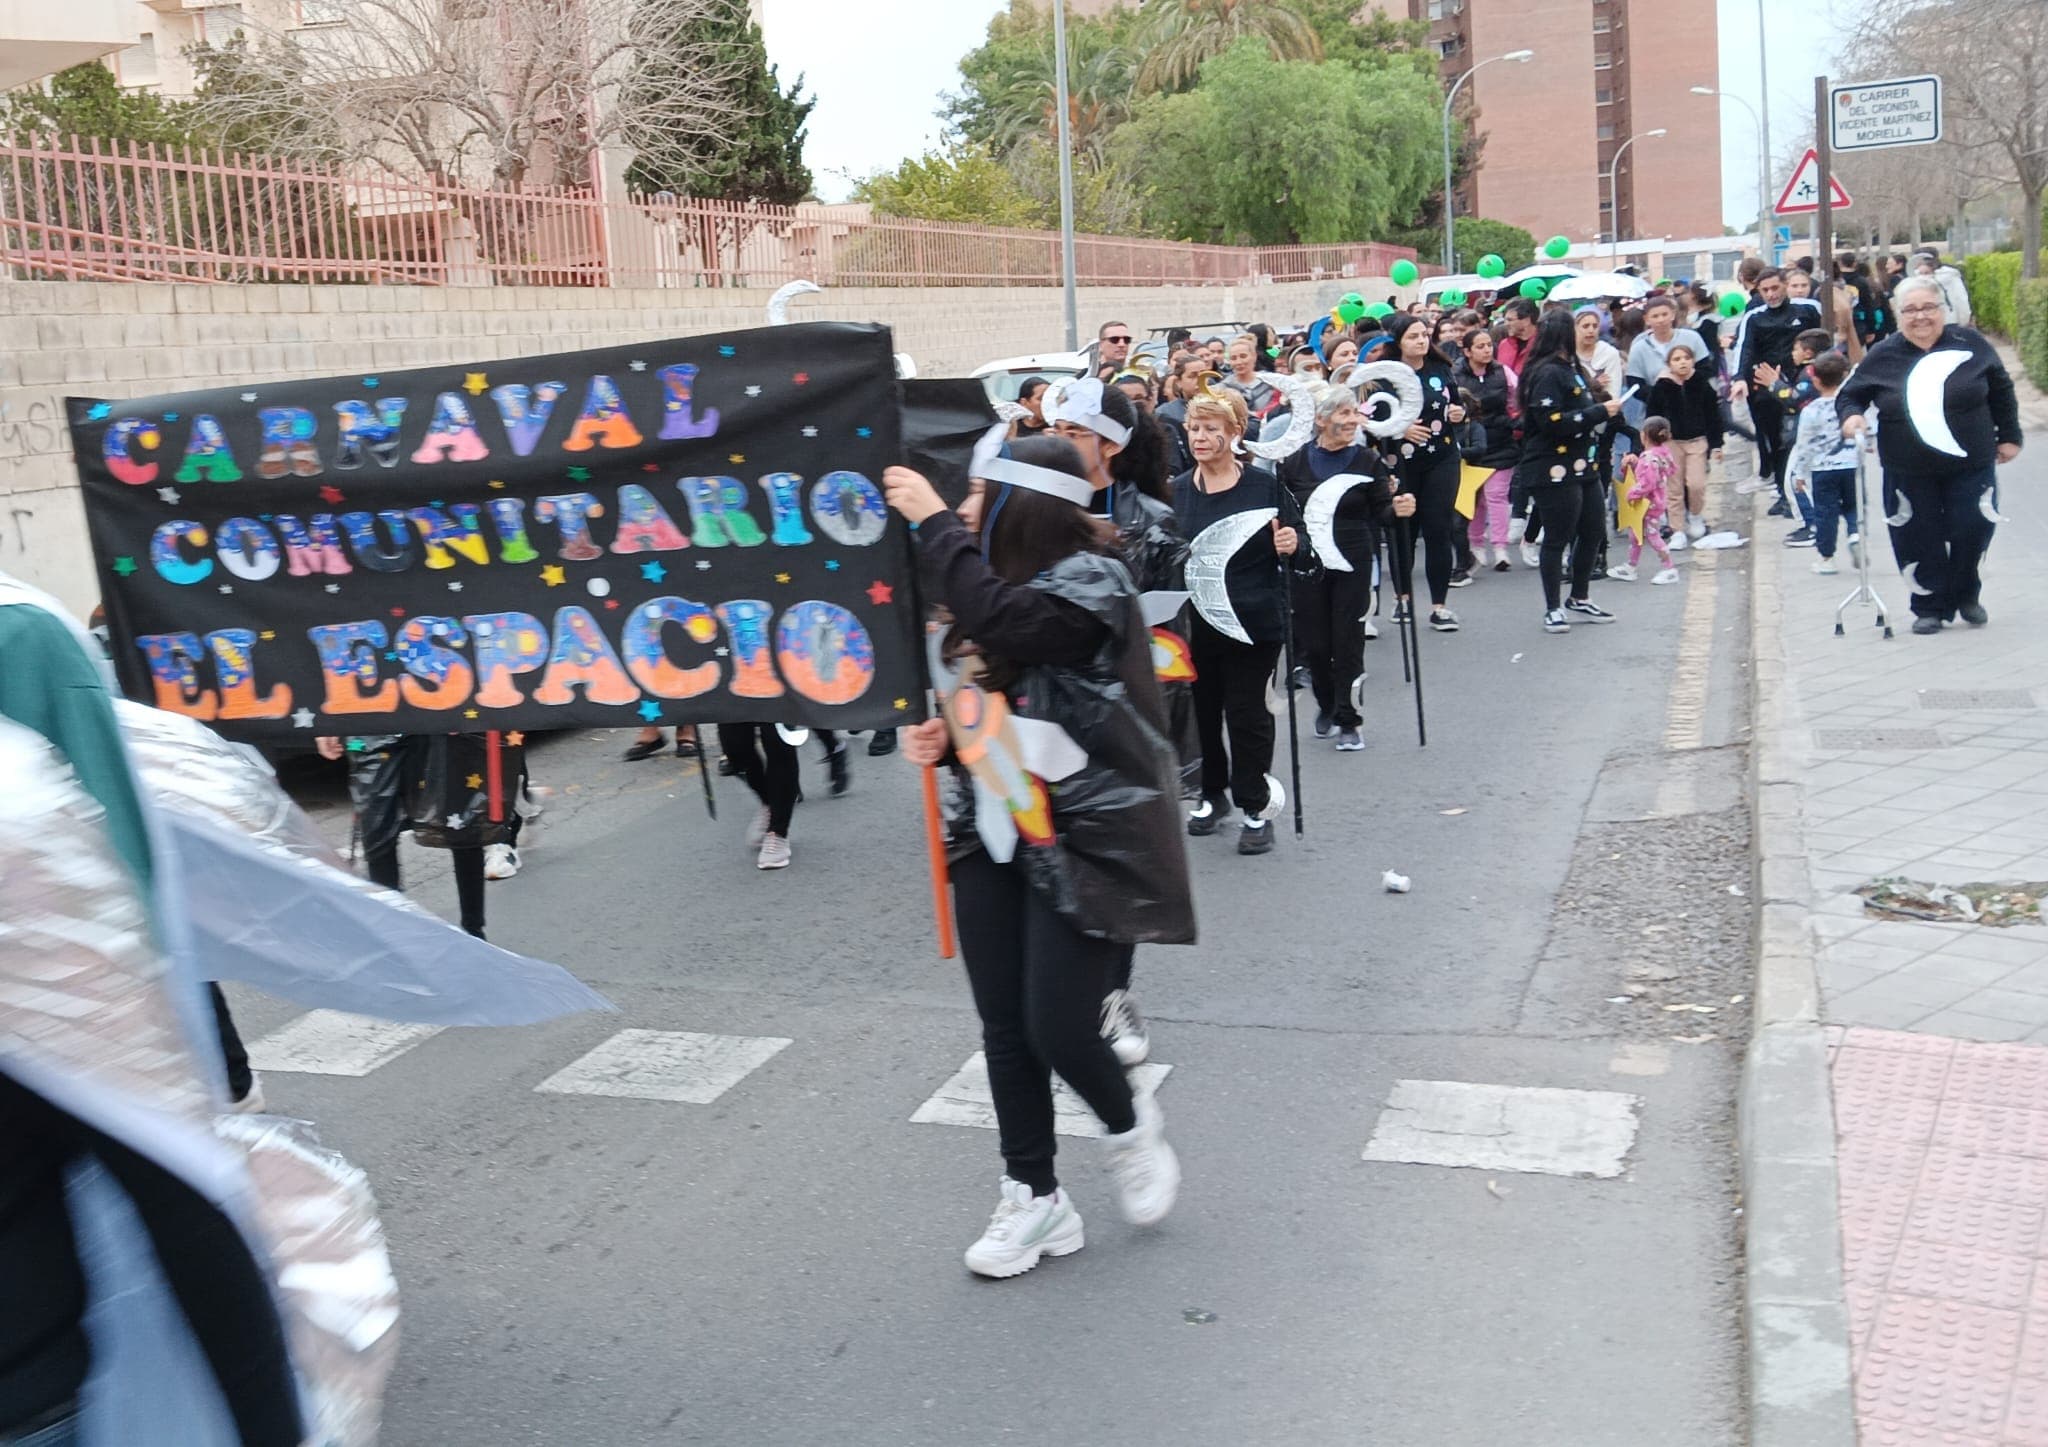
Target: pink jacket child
1652,477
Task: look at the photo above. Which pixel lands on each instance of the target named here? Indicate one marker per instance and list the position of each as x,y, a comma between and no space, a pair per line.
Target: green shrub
2032,331
1993,280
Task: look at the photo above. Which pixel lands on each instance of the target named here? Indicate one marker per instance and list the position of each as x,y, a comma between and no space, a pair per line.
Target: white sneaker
1555,621
1372,628
1147,1170
1676,542
1622,572
1664,576
1516,528
1124,1028
1695,526
1824,565
501,861
774,853
758,829
1532,556
1443,620
1024,1229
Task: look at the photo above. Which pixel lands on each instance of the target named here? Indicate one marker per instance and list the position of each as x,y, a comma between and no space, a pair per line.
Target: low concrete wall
121,340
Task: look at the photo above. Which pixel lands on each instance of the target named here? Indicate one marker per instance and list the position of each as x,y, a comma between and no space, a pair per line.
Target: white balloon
1319,513
1387,417
1209,555
1301,417
778,304
1925,403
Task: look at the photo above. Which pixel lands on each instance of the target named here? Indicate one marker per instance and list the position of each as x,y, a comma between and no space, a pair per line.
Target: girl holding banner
1046,676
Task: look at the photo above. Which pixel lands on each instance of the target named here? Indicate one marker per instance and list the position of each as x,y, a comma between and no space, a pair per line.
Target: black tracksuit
1429,469
1765,335
1560,468
1330,605
1935,501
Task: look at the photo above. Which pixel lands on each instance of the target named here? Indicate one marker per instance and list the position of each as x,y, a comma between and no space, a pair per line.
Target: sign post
1824,229
1871,115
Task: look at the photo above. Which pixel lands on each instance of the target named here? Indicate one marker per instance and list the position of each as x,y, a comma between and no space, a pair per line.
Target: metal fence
83,209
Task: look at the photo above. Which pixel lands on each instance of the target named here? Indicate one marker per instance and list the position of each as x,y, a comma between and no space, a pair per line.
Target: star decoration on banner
703,565
398,612
356,746
722,652
170,416
810,432
498,483
268,635
782,577
650,467
391,655
515,738
728,351
330,494
475,383
455,587
370,381
754,391
637,365
831,565
901,703
227,587
168,494
736,457
650,710
474,781
125,566
303,718
863,432
97,411
334,587
579,474
800,378
248,396
880,593
653,572
469,713
612,603
553,575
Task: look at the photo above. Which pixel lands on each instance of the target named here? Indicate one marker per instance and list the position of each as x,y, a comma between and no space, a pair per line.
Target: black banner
674,531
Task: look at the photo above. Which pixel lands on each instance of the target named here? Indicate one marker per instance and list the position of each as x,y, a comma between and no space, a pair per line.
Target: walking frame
1863,592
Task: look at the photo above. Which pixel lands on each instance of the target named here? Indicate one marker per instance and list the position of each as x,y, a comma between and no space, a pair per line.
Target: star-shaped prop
97,411
553,575
515,738
650,710
476,384
474,781
653,572
168,494
880,593
579,474
303,718
124,565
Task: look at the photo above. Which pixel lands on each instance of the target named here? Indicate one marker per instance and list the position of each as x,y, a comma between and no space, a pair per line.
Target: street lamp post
1763,183
1520,57
1059,85
1614,196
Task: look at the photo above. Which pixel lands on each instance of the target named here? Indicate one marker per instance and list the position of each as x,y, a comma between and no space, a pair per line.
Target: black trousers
1230,689
769,767
1038,985
1329,636
1574,515
1434,481
1772,452
381,864
1941,545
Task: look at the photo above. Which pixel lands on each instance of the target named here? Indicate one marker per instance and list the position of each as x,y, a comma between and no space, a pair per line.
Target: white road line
674,1065
334,1042
1685,712
965,1100
1506,1128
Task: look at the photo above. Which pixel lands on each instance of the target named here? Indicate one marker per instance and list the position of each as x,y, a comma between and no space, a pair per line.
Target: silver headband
1029,475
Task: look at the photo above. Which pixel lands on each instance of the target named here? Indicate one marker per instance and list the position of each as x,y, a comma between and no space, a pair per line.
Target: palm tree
1099,91
1180,34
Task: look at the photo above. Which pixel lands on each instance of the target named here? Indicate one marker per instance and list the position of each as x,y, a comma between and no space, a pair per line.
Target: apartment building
1603,71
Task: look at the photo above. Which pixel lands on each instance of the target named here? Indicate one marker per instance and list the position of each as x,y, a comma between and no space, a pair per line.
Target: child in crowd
1685,398
1794,389
1649,481
1823,464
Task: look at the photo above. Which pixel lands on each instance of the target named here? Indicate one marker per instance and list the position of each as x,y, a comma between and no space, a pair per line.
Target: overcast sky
879,67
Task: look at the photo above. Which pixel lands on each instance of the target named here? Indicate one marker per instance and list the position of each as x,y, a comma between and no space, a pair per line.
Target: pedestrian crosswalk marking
672,1065
965,1100
334,1042
1506,1128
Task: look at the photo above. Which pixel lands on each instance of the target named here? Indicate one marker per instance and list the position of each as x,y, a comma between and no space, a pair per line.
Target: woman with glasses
1949,417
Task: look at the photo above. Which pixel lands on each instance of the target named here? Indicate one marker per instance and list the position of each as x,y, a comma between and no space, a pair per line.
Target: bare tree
1992,57
509,91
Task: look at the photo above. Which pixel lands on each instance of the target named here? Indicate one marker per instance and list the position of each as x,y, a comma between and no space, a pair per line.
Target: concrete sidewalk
1924,759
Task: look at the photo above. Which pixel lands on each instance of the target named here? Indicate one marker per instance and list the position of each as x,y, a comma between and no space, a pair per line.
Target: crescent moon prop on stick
1301,417
778,304
1209,556
1387,416
1926,403
1319,514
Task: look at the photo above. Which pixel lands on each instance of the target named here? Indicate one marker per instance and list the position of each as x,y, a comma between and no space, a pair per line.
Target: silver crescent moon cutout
1987,504
1905,513
1925,403
1301,417
1209,555
1385,416
778,304
1319,514
796,738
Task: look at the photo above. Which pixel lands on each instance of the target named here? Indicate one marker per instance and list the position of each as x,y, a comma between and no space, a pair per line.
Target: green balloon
1379,311
1454,298
1491,266
1350,309
1535,288
1352,298
1404,273
1732,304
1557,248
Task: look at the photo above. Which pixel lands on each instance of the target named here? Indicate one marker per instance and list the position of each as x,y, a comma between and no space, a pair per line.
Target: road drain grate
1851,740
1988,699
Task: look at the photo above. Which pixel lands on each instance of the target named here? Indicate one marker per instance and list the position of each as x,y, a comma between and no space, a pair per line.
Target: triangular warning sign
1802,192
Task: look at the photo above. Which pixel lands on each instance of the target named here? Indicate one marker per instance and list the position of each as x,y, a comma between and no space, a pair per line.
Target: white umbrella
1600,284
1542,270
1431,286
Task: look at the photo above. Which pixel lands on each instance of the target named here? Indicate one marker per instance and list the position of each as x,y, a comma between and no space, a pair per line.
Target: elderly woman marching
1947,417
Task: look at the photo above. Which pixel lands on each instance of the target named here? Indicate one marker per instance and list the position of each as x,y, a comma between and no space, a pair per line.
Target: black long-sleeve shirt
1766,333
1978,404
1560,425
1257,589
1693,408
1014,621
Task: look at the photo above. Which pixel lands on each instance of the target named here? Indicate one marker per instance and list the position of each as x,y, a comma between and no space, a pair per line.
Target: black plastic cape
1149,540
1120,869
422,782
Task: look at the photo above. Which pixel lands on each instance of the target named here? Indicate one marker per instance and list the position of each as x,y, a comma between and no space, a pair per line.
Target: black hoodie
1977,403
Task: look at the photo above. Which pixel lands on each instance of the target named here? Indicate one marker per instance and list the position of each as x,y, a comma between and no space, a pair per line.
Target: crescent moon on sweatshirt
1319,515
1209,555
1925,403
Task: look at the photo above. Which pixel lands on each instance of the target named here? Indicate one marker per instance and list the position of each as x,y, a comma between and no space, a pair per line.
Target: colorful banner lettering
671,532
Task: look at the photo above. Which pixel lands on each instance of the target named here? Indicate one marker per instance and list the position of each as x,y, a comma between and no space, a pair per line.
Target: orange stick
494,771
935,849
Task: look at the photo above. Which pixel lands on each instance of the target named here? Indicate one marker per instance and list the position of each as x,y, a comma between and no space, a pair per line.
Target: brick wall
120,340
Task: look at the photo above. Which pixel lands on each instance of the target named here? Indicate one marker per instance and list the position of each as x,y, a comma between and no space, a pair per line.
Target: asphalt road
782,1265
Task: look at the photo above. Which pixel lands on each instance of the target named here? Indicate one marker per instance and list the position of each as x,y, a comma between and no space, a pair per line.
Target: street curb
1795,1308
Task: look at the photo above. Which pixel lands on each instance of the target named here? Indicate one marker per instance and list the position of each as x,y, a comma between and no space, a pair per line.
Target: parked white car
1003,379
